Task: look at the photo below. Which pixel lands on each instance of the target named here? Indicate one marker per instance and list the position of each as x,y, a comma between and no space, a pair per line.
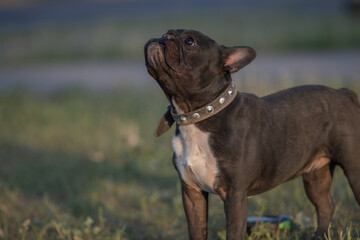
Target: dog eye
190,42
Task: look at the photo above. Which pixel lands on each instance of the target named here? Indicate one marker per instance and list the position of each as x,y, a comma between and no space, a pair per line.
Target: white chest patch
194,159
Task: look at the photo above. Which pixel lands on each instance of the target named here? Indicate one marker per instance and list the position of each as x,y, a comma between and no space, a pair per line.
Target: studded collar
221,102
218,104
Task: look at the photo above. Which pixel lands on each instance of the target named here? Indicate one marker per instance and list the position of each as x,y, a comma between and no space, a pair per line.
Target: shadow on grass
65,177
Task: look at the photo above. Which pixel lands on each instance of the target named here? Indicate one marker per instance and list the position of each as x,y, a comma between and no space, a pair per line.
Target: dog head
192,68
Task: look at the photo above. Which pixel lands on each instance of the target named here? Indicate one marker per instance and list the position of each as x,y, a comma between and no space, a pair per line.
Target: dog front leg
236,213
196,210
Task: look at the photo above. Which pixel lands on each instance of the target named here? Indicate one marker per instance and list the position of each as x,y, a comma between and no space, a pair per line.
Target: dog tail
353,96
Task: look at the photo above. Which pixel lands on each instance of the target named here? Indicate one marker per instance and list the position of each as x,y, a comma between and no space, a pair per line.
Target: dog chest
194,160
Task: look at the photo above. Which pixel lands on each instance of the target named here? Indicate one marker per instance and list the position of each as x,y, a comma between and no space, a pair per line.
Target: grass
124,37
79,165
76,165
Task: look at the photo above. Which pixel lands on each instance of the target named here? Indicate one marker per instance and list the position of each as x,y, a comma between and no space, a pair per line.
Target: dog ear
164,124
236,58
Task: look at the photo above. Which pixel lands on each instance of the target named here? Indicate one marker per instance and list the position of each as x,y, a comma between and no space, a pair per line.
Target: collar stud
221,100
196,115
183,119
210,109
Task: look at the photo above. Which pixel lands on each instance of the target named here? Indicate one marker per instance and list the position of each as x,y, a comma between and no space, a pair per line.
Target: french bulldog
238,145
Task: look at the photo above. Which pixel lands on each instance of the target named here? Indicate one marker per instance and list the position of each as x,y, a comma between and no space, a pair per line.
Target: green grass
76,165
124,37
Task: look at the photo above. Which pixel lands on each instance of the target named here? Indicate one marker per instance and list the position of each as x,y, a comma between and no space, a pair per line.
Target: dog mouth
155,54
156,64
161,56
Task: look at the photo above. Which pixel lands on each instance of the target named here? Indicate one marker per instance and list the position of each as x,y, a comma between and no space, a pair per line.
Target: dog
237,145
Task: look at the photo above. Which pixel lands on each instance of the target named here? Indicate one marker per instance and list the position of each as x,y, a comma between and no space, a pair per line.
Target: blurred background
78,109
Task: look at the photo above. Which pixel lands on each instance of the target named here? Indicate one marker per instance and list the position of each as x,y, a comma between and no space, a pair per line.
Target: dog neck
181,102
188,99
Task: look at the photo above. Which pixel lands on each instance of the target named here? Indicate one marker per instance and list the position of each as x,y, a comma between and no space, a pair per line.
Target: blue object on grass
282,221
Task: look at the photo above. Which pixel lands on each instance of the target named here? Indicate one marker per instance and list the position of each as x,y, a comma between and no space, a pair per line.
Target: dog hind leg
317,186
349,159
352,173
